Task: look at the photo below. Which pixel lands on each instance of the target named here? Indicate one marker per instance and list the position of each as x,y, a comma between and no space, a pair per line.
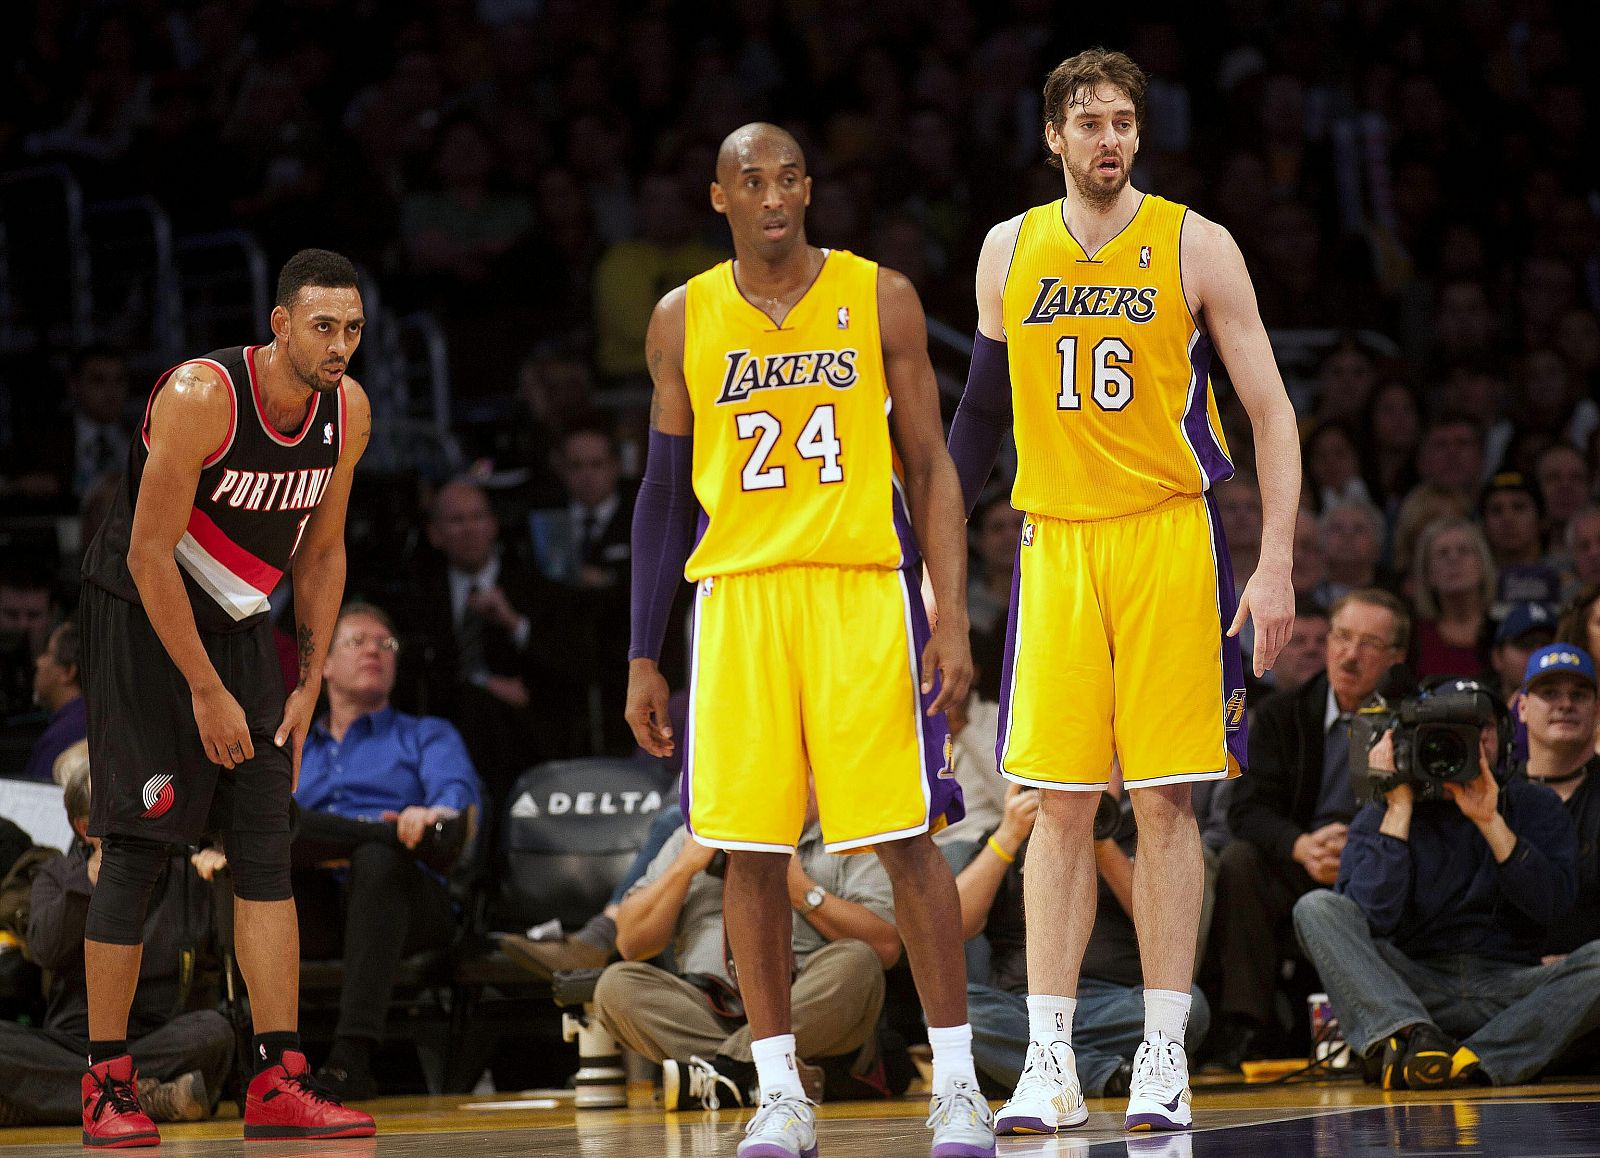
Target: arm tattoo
306,647
655,411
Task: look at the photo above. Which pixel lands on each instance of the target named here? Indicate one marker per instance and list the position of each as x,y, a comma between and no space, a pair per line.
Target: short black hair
318,267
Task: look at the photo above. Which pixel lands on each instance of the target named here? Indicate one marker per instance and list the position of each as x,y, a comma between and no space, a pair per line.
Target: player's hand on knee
223,729
646,710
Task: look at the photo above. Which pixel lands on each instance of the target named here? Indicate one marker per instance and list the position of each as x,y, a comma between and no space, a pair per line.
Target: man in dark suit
1290,814
56,469
600,510
484,614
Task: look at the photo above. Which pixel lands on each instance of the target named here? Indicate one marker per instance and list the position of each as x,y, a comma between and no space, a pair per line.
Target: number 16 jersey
1109,372
793,462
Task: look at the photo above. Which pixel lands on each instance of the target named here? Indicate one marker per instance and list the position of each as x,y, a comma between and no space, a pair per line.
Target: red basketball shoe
286,1102
112,1118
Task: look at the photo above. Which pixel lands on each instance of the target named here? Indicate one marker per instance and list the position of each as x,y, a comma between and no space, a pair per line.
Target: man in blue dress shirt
385,801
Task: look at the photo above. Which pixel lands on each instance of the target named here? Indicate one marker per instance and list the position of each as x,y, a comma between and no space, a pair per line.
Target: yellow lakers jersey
1110,380
792,456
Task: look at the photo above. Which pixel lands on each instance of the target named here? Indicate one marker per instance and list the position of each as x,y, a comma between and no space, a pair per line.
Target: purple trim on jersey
1214,464
944,793
1010,656
1232,658
910,553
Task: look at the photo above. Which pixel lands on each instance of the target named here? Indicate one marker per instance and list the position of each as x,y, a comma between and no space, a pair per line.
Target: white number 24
817,440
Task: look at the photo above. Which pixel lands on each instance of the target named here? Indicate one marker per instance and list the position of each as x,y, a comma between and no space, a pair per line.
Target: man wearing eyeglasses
1289,816
1559,707
385,804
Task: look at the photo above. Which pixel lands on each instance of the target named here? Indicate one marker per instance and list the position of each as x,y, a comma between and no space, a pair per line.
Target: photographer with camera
1452,877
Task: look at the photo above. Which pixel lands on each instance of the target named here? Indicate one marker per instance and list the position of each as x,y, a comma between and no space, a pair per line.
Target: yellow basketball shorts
1116,647
810,669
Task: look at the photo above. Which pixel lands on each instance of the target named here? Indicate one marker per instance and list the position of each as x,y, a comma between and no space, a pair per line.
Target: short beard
1097,196
314,380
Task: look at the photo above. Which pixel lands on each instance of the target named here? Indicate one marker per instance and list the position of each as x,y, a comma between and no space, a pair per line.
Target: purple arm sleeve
983,417
663,536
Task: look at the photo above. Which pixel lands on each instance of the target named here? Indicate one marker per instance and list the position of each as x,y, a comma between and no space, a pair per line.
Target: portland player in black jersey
240,472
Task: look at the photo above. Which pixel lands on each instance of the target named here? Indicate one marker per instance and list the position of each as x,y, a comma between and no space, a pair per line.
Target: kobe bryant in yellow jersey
1098,316
797,475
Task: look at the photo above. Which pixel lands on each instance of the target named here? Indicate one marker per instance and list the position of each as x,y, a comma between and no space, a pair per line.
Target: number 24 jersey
793,462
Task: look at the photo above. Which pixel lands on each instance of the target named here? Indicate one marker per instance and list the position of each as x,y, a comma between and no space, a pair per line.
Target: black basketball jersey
255,495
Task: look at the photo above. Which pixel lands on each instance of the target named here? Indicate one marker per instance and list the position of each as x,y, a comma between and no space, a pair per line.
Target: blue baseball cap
1556,659
1521,618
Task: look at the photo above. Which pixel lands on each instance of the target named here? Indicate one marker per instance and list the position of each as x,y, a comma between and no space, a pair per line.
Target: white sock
952,1056
1166,1011
775,1066
1050,1018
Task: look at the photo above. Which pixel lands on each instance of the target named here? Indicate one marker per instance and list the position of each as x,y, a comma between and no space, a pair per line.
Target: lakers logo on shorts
1027,534
158,796
948,772
1233,711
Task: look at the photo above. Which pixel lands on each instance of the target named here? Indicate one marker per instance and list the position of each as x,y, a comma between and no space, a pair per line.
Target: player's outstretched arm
984,416
319,569
931,483
1215,278
189,422
663,524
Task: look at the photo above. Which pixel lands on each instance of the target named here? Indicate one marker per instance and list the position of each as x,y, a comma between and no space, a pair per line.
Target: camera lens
1439,754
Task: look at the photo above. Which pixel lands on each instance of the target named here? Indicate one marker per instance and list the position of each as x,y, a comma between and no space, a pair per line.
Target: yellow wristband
994,847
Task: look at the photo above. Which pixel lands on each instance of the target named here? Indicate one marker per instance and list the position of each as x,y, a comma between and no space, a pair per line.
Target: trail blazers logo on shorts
158,796
1233,713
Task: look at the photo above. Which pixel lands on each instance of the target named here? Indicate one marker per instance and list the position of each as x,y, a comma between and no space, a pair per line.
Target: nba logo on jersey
844,317
705,585
327,434
1233,711
1027,534
1144,257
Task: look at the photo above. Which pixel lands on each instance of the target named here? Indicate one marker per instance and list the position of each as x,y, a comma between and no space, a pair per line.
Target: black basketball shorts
149,774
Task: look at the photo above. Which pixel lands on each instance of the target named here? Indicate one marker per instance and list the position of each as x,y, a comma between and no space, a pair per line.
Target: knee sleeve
129,868
259,862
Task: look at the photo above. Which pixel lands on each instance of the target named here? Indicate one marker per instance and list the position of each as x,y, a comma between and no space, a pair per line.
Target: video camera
1436,734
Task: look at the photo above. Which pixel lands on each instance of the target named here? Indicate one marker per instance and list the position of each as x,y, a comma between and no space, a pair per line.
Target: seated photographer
1560,710
1108,1023
181,1050
393,796
1289,816
1448,889
692,1021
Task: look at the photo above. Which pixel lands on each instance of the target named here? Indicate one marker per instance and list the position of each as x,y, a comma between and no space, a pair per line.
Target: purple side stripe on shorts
1010,657
1233,695
944,794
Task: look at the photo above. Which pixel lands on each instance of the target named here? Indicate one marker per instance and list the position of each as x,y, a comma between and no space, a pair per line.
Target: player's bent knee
260,865
129,868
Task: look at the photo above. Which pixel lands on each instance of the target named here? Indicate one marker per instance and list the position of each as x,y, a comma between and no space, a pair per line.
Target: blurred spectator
1580,624
1425,505
1391,431
1109,1020
634,274
1333,466
1346,378
28,608
1290,815
1238,502
1455,590
1464,327
475,609
112,98
1512,510
1309,570
690,1021
1350,536
997,527
388,798
1306,653
1562,477
1583,545
1430,948
1549,401
58,689
59,464
1525,629
1451,455
464,227
182,1048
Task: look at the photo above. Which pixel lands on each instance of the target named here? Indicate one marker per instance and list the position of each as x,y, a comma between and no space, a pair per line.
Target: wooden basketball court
1325,1120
